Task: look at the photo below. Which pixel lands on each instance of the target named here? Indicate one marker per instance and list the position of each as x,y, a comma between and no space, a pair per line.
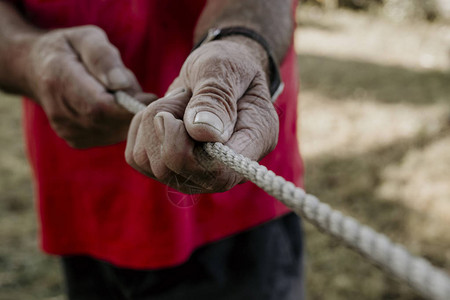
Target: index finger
101,58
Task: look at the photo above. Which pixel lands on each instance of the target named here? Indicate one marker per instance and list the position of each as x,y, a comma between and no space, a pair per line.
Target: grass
375,134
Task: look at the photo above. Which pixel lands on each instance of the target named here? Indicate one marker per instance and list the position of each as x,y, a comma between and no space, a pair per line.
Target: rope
129,103
417,272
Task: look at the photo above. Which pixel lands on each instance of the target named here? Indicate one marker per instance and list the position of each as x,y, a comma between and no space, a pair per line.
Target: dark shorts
262,263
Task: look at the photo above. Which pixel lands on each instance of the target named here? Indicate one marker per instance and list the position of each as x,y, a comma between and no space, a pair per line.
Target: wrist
16,63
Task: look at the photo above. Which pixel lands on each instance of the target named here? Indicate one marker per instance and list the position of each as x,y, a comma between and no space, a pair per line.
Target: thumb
218,76
211,114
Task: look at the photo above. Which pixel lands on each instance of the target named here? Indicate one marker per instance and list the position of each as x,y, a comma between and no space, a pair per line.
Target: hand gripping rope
417,272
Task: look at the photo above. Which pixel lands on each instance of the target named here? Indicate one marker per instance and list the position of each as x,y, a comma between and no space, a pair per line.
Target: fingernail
208,118
117,79
175,92
159,126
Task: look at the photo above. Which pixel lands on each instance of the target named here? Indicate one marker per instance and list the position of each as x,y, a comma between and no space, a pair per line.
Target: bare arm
16,36
272,19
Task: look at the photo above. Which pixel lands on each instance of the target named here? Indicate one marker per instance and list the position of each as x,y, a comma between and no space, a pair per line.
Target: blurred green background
374,119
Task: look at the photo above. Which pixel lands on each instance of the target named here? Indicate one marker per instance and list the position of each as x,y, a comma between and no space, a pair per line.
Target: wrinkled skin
71,73
221,95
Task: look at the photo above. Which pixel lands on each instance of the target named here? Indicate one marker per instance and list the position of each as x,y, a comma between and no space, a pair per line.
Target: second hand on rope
426,279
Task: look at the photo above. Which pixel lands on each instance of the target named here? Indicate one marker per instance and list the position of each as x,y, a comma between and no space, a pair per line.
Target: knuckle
55,39
113,50
164,175
96,39
129,155
139,157
150,112
95,57
93,29
129,158
102,55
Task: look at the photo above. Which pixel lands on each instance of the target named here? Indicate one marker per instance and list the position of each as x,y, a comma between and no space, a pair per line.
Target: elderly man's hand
70,74
221,95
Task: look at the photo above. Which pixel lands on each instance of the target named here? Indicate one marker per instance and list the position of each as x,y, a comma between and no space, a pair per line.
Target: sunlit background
374,119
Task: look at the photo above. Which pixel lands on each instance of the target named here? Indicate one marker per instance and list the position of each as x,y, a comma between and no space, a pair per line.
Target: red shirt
90,201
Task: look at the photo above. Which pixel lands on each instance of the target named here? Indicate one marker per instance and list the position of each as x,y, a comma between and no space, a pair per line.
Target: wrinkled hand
70,74
221,95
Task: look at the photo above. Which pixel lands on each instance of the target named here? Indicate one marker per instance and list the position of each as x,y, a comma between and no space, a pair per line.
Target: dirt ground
375,136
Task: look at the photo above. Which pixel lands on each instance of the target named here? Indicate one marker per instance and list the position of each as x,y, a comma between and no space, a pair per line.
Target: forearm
15,37
271,19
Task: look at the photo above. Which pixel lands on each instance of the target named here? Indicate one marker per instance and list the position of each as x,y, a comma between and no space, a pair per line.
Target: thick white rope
429,281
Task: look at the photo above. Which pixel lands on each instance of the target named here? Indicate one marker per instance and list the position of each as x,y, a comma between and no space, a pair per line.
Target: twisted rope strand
417,272
129,103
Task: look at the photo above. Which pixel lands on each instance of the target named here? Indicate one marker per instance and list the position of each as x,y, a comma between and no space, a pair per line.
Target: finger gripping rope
429,281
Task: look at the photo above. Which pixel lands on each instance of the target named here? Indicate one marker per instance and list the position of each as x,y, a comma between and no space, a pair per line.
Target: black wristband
276,85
